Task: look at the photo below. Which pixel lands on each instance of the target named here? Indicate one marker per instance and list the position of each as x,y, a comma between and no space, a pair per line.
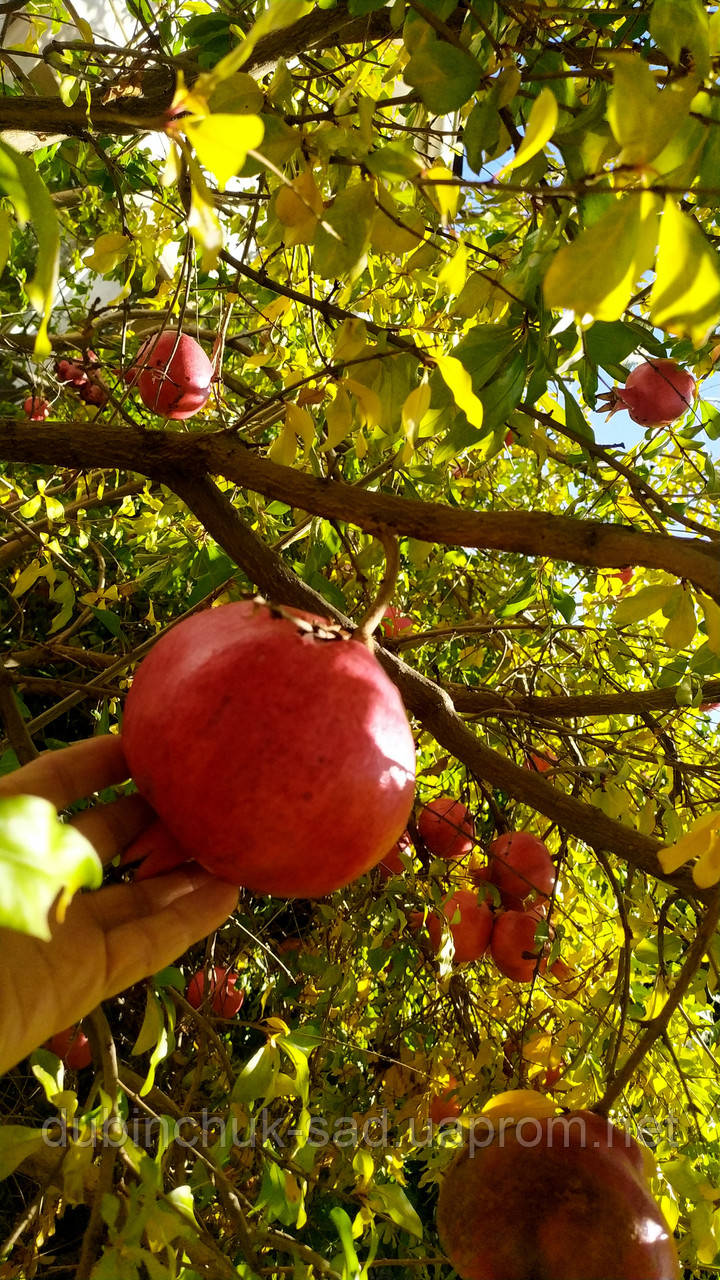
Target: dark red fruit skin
657,393
520,865
173,375
513,946
471,933
446,827
278,756
72,1047
518,1208
225,999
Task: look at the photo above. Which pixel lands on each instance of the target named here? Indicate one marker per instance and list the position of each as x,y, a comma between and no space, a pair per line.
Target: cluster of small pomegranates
502,912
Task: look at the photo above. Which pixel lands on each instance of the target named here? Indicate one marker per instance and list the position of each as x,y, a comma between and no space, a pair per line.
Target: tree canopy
419,241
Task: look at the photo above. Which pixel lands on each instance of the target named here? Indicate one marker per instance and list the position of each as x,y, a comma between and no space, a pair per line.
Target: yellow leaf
107,251
693,844
596,273
453,273
711,613
284,447
682,626
445,197
203,221
415,406
539,129
299,421
685,298
642,604
642,118
222,142
298,206
458,380
369,402
706,871
272,312
351,339
339,419
520,1104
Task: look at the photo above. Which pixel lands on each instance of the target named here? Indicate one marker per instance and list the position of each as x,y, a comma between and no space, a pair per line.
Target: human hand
112,937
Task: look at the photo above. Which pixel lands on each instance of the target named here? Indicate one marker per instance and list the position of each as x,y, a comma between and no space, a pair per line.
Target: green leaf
681,628
17,1142
20,180
389,1198
222,142
445,77
596,273
343,1226
682,24
685,297
40,857
646,601
711,613
540,128
257,1078
5,237
343,237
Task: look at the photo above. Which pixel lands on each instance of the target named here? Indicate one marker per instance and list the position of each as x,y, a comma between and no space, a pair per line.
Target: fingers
112,827
149,925
71,773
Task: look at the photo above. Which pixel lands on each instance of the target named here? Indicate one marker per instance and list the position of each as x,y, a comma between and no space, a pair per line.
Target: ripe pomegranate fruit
391,864
225,999
72,1047
446,827
513,946
36,408
444,1105
556,1199
655,394
520,865
80,377
471,932
173,375
394,623
273,748
541,763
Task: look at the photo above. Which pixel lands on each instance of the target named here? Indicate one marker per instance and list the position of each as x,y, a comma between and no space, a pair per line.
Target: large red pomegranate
513,946
173,375
656,393
557,1199
444,1105
470,931
520,865
447,827
274,749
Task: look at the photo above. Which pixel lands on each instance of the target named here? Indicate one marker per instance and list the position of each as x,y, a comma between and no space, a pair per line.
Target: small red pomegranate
173,375
274,749
444,1105
225,999
447,827
656,393
557,1199
72,1047
470,932
36,408
513,946
520,865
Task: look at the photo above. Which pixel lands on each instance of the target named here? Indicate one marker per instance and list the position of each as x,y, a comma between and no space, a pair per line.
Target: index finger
70,773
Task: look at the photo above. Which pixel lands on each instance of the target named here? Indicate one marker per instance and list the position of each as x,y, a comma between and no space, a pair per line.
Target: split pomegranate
656,393
223,995
470,932
273,748
446,827
173,375
563,1198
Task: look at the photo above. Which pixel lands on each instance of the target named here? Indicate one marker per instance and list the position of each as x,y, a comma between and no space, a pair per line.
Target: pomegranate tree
563,1198
471,924
520,865
173,375
513,945
656,393
274,749
446,827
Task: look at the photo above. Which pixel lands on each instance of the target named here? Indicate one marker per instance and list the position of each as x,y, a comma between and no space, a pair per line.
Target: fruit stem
373,616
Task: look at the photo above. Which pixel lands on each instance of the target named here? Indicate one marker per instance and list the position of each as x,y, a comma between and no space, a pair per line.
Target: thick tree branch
422,697
160,453
564,706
